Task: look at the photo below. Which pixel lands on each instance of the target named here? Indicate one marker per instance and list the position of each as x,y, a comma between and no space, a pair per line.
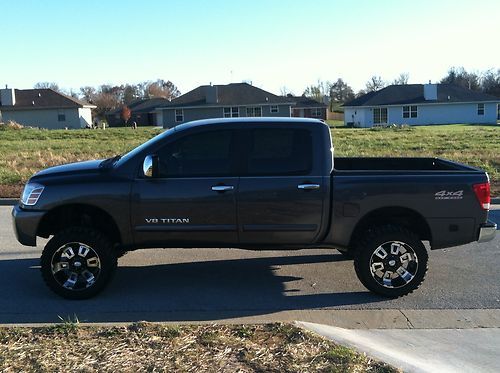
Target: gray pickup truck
251,183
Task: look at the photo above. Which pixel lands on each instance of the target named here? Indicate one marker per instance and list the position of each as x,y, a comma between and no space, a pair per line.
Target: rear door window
279,152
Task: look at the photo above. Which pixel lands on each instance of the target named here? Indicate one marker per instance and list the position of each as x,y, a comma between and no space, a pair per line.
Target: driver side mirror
150,166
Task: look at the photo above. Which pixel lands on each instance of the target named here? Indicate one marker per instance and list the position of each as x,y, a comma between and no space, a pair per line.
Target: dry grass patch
152,347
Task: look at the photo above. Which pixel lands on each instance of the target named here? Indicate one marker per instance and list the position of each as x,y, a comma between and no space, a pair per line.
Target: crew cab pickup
255,183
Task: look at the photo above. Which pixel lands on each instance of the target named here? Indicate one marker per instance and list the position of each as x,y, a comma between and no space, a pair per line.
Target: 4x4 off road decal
444,194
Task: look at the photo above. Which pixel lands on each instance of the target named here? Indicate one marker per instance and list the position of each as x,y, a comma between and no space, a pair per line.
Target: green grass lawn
25,151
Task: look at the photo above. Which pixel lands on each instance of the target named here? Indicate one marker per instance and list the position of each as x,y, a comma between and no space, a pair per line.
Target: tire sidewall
90,237
378,237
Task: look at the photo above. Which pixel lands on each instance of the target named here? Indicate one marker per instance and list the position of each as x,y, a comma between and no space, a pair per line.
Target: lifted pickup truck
257,184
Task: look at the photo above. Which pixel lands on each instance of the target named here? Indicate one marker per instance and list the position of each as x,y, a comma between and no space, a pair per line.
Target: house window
380,115
275,109
61,117
316,112
410,112
254,112
231,112
179,115
480,109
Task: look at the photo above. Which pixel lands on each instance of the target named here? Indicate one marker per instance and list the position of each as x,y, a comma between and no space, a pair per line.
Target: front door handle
222,188
308,186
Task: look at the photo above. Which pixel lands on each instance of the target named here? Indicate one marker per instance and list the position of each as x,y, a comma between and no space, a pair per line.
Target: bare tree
87,93
319,91
161,88
284,91
402,79
105,102
375,83
110,97
47,85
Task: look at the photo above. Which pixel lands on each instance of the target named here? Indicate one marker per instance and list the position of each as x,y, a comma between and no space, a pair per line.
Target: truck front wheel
78,262
391,261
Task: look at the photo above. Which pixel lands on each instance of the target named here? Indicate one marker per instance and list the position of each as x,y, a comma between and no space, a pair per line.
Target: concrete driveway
229,284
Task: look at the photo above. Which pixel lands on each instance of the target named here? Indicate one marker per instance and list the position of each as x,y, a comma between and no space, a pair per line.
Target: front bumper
487,231
25,224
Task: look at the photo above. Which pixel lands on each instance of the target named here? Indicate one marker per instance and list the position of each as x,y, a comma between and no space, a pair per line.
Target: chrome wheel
75,266
393,264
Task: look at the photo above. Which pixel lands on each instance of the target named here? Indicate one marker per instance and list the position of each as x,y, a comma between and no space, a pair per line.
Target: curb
430,350
8,201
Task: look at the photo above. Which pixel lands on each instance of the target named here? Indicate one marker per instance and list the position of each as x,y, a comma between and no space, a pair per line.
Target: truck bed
368,164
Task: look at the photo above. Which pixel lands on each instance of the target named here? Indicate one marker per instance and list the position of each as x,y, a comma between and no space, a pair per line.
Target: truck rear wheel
391,261
78,262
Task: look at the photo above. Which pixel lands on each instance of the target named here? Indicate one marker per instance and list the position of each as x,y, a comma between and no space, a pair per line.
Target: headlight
31,194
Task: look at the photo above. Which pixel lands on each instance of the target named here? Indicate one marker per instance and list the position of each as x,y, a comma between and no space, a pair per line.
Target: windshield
131,154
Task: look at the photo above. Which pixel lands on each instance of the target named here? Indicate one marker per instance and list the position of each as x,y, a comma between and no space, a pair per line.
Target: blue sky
271,43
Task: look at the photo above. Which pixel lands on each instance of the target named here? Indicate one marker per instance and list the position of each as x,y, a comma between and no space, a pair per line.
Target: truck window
279,152
197,155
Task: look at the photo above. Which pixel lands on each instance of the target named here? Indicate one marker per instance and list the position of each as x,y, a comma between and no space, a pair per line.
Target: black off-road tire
99,245
385,235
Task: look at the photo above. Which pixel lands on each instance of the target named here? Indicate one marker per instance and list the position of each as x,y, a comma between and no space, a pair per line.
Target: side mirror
150,166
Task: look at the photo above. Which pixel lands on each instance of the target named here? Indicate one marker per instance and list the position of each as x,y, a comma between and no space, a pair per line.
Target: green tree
459,76
340,91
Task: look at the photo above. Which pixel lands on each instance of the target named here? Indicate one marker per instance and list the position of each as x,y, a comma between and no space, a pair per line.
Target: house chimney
8,97
211,96
430,91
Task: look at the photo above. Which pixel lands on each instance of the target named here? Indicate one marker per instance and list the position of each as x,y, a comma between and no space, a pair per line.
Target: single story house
142,112
306,107
44,108
421,104
223,101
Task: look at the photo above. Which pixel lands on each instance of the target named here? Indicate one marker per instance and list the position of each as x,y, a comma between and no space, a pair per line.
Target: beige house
43,108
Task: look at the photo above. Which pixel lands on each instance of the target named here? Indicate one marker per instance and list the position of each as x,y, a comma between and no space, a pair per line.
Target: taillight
483,194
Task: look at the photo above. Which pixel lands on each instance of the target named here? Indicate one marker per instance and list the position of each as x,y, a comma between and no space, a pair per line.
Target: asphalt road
220,284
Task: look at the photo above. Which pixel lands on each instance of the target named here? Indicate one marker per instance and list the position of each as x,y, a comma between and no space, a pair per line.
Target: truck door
193,199
281,192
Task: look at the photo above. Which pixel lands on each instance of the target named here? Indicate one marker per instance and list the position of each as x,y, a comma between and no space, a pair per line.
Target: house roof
414,94
227,95
305,102
144,105
44,99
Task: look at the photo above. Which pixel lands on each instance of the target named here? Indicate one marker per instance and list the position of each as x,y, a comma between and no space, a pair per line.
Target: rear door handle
308,186
222,188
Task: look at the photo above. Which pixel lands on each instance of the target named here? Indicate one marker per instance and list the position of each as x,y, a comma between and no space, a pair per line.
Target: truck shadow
195,291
